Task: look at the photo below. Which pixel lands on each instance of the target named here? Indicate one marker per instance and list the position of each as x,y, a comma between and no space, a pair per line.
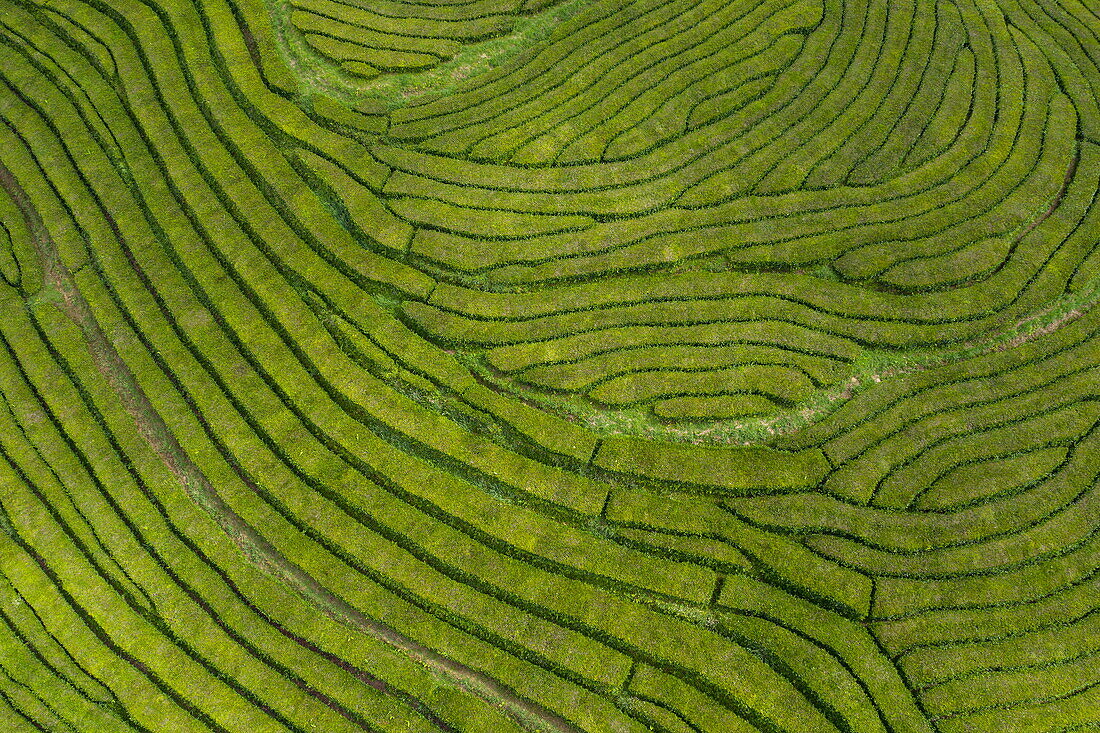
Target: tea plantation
490,366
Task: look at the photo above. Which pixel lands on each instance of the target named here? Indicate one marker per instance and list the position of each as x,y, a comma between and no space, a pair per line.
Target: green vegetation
464,366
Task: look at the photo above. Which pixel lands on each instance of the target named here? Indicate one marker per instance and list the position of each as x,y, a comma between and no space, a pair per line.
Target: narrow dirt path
254,545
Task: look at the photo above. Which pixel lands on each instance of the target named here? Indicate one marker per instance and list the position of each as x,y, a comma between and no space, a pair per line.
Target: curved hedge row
679,367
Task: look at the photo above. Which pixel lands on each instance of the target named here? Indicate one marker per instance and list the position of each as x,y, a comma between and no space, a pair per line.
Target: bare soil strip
255,546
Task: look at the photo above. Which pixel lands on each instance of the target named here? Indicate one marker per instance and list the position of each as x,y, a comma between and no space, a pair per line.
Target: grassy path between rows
873,367
67,297
319,74
870,369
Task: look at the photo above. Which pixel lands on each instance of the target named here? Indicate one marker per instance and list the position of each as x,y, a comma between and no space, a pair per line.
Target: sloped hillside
487,366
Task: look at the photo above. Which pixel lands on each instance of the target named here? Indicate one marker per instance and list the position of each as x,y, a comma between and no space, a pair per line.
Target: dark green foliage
693,368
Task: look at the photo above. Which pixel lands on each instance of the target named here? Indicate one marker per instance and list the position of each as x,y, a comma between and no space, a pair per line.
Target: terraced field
478,366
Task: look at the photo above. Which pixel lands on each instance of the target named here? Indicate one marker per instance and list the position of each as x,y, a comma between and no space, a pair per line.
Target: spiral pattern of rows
478,366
